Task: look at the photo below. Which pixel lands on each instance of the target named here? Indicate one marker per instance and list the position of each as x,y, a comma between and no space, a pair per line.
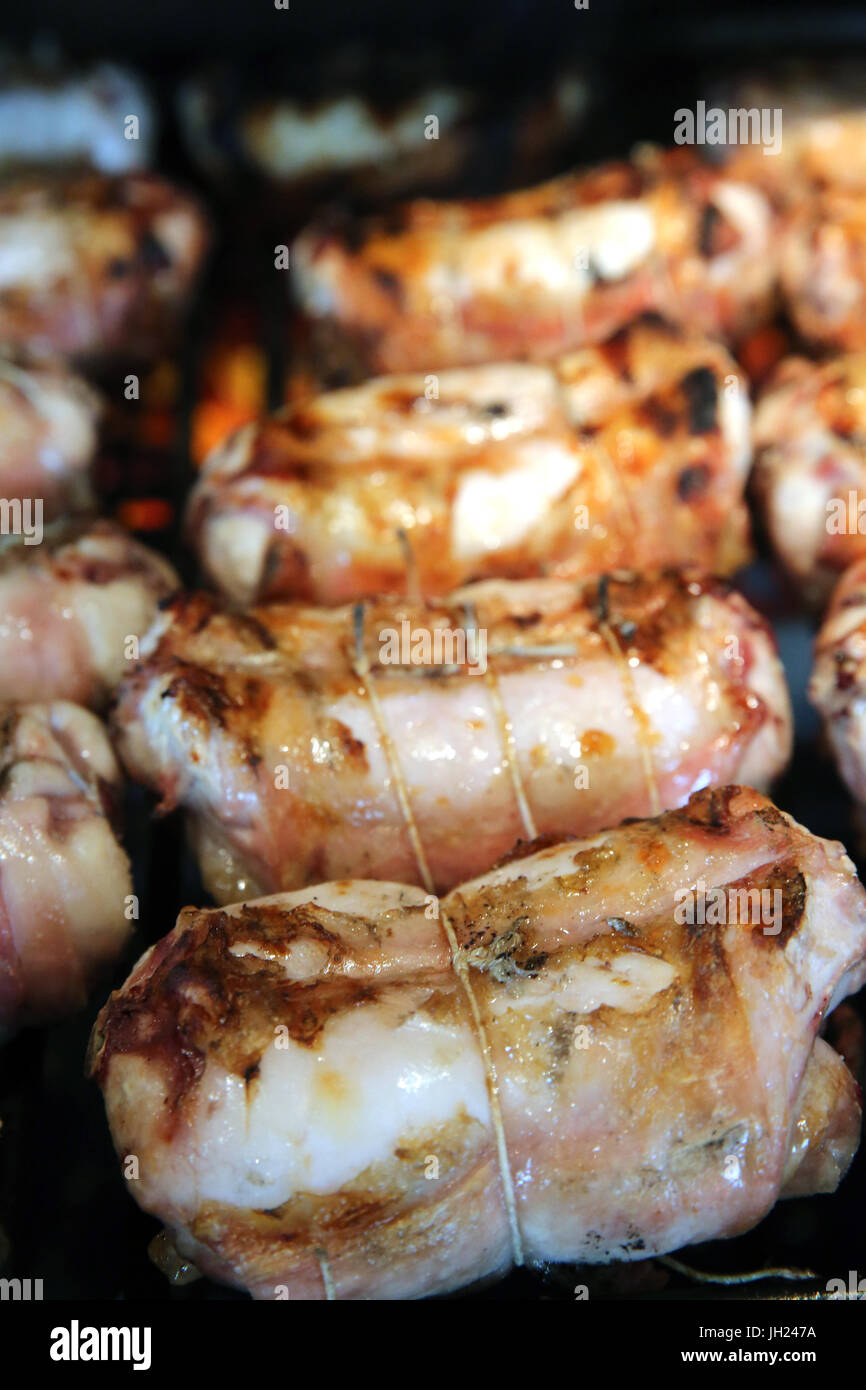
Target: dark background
180,30
645,52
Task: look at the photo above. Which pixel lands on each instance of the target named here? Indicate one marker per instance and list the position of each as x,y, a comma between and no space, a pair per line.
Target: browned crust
195,999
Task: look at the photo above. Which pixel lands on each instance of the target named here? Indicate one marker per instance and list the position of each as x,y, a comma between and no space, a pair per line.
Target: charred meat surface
628,455
338,1093
417,743
545,270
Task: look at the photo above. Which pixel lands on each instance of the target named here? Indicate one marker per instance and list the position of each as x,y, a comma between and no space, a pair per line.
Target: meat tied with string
418,743
64,879
629,455
541,271
333,1094
68,607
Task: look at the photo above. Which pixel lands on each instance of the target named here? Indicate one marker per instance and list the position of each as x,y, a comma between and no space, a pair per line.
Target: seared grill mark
710,975
10,716
658,416
713,809
716,234
693,482
615,353
309,1006
271,458
390,283
846,671
526,620
560,1043
647,614
622,927
701,392
771,817
710,217
200,692
524,848
152,253
399,401
601,603
787,879
257,629
352,748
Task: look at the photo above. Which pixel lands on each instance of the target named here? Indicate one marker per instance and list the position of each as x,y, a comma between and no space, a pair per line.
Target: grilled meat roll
48,437
536,273
337,1093
822,261
838,684
816,141
417,743
64,879
72,609
809,477
93,267
633,454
